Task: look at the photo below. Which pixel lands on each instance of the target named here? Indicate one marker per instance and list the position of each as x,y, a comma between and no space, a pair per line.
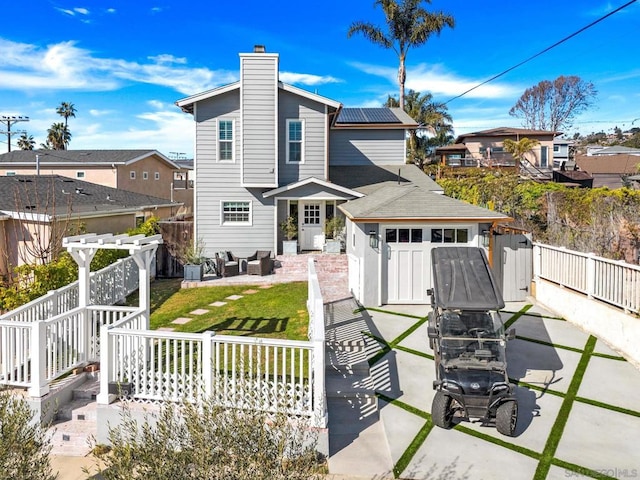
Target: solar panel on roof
367,115
380,115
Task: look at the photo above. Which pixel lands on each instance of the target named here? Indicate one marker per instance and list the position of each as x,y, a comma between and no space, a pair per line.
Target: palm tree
58,137
26,143
66,110
408,25
519,149
432,117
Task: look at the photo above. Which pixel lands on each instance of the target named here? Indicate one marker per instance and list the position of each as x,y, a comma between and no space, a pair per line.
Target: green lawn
276,312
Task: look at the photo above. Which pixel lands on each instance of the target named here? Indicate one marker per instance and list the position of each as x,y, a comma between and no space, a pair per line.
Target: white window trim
132,175
236,224
145,175
156,176
233,140
289,120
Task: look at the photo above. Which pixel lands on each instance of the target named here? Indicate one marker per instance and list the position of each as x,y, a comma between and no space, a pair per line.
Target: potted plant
193,260
333,229
290,229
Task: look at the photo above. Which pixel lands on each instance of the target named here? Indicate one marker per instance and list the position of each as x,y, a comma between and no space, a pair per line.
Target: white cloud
66,66
438,81
81,11
307,79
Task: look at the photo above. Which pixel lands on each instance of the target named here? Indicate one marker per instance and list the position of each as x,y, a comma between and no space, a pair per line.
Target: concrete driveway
579,407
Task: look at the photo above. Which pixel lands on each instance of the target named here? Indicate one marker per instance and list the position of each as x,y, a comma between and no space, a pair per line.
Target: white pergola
84,247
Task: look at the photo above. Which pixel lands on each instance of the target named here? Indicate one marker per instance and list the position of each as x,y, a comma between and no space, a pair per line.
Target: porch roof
313,188
413,203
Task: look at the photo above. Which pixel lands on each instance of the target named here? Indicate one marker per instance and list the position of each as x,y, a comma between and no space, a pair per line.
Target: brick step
82,409
72,437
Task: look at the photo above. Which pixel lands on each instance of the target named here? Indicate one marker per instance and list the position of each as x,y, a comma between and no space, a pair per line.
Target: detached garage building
390,234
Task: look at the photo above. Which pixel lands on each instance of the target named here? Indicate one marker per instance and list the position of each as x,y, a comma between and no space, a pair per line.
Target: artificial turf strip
412,449
537,388
516,316
608,406
549,344
413,352
609,357
537,315
577,470
498,441
380,310
403,405
563,415
409,331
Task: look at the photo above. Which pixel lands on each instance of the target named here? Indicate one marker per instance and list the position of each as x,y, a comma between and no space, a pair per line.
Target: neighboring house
266,150
142,171
613,150
37,210
563,154
608,170
486,148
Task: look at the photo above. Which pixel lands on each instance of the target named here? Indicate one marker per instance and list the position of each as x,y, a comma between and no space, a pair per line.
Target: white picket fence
48,337
241,372
614,282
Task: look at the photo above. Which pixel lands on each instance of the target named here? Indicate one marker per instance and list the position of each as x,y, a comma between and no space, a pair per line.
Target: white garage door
408,254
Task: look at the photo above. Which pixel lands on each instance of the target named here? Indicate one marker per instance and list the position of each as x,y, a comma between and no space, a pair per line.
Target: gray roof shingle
58,195
62,157
411,202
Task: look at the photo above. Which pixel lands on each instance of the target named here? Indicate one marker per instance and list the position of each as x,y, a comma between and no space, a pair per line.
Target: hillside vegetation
602,221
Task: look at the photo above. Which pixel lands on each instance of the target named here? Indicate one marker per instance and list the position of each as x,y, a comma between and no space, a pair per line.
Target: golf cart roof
462,279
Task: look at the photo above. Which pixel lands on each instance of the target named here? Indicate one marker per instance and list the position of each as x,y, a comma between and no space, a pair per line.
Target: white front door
311,218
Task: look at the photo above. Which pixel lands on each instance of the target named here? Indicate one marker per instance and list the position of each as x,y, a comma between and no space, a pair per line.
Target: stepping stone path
181,320
250,292
166,329
199,311
264,287
234,297
217,304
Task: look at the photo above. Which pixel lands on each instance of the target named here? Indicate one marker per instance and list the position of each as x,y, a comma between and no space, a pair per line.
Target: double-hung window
295,141
236,213
225,141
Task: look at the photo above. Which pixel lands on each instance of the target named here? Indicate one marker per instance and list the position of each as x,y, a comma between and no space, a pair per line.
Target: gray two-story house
266,150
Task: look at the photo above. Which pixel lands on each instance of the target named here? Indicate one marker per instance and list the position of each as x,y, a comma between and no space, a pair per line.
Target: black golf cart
468,339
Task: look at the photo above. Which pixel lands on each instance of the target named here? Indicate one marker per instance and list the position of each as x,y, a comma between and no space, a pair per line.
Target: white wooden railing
109,285
240,372
614,282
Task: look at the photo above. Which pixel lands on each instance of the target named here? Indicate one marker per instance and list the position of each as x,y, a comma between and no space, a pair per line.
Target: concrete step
82,409
72,437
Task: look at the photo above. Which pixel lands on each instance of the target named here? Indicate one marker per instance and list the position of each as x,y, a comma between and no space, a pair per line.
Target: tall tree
66,110
408,25
552,105
58,137
519,149
432,117
26,142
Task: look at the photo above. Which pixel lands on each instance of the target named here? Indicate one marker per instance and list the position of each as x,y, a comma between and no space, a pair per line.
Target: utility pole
8,121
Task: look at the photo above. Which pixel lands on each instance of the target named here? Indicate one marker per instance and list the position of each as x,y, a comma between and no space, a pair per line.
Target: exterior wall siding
474,145
220,181
259,107
158,188
315,127
366,147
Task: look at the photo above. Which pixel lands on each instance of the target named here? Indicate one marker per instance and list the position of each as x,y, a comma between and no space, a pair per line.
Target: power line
542,51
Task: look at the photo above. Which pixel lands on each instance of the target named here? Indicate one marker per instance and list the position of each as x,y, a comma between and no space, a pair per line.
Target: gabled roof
506,132
55,195
312,181
186,104
367,179
411,202
76,157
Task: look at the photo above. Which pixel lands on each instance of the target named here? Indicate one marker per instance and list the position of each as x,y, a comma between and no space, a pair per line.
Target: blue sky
124,63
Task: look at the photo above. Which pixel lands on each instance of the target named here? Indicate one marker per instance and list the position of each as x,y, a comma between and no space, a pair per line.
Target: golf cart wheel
506,418
441,412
